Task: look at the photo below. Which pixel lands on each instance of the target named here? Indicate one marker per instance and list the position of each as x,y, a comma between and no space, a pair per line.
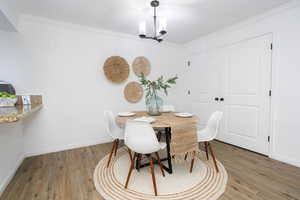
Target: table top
165,120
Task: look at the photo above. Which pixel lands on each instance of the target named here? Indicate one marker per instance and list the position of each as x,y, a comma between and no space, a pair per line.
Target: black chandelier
158,31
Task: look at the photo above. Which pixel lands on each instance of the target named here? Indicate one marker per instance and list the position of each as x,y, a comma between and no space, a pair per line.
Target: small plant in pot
154,103
7,100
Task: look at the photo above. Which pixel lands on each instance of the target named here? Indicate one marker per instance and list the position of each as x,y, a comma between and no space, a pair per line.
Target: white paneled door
202,84
244,94
237,80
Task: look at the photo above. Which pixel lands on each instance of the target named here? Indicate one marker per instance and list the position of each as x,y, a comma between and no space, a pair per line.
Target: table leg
169,158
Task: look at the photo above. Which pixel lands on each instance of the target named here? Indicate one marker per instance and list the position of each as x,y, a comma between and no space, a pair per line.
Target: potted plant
153,102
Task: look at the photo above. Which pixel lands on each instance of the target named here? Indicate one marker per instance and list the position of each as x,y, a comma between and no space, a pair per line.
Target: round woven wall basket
133,92
116,69
141,65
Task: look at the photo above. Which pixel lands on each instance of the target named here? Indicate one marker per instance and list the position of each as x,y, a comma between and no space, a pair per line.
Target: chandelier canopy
159,29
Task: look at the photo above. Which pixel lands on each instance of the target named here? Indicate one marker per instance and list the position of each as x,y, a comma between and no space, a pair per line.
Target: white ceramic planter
8,102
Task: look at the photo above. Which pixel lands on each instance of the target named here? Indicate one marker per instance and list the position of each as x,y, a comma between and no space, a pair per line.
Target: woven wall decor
116,69
141,65
133,92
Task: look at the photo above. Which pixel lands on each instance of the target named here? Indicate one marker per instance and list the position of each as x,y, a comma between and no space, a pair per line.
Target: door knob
216,99
222,99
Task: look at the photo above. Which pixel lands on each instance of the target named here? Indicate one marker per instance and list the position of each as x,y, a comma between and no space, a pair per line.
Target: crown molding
78,27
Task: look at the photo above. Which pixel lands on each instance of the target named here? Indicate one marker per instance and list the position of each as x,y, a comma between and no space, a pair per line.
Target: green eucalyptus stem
151,87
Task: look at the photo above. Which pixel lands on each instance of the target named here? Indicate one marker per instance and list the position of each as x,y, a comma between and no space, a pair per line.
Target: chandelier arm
160,35
153,38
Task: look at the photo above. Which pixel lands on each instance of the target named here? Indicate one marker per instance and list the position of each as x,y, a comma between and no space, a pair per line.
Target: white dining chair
168,108
115,132
208,134
141,139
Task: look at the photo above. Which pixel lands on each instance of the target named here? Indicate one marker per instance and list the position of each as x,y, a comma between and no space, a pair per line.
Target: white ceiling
187,19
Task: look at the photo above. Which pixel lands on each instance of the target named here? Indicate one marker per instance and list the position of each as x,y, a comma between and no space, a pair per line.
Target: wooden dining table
161,122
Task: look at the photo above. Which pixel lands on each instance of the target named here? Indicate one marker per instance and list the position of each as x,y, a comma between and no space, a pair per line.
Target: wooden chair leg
186,155
111,153
213,156
153,175
160,165
117,144
139,156
206,149
130,155
130,170
192,163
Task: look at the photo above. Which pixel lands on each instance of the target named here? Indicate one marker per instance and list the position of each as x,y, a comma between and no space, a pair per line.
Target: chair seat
204,136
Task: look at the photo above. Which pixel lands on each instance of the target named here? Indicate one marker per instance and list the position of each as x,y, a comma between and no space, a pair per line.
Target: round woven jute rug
204,183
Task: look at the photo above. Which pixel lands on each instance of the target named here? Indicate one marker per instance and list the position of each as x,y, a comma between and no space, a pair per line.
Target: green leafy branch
160,84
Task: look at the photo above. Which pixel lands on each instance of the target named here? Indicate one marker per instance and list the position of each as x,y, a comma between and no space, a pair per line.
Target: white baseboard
64,147
4,183
286,160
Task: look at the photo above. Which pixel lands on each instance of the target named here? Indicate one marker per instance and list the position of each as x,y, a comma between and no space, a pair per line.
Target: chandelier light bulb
163,26
142,29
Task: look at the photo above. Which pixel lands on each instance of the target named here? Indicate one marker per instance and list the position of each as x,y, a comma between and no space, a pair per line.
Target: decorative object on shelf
26,100
30,99
7,100
18,112
116,69
159,29
7,112
8,119
154,103
133,92
141,65
7,87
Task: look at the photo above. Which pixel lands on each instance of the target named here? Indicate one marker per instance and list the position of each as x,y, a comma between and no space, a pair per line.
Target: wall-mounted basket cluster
116,69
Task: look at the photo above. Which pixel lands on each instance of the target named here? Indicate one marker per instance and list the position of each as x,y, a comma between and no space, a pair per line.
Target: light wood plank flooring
68,175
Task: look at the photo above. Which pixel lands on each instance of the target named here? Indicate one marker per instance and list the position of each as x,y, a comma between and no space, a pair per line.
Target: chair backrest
213,123
168,108
111,126
140,137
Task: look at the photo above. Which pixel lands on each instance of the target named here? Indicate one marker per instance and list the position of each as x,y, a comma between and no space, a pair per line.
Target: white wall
13,63
11,151
67,70
284,24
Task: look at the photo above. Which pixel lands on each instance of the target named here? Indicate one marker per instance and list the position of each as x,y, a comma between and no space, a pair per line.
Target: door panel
202,82
245,86
246,126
